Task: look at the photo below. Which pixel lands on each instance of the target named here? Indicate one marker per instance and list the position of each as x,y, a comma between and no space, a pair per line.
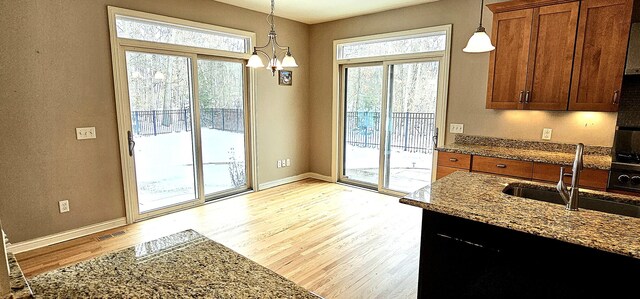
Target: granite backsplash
529,145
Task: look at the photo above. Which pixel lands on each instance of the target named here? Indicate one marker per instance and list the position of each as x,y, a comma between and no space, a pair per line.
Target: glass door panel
221,92
160,99
361,124
410,125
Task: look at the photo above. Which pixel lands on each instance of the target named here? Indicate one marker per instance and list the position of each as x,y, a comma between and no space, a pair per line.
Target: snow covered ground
165,171
409,171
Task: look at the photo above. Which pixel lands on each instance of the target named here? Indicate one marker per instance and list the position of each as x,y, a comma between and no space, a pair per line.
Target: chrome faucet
571,198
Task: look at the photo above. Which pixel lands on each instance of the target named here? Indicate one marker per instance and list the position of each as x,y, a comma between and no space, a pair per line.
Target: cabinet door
551,59
508,63
601,47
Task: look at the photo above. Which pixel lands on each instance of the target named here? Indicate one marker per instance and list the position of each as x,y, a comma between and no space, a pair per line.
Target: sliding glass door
187,136
161,137
388,124
361,118
221,93
410,125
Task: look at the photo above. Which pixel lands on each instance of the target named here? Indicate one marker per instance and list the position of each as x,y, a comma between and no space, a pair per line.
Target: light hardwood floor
334,240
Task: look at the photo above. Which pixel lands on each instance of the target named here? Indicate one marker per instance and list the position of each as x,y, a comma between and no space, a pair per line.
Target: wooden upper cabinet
551,56
558,54
601,48
508,65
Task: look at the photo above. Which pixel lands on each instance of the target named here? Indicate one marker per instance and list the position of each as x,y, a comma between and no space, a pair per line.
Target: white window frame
118,47
411,34
441,116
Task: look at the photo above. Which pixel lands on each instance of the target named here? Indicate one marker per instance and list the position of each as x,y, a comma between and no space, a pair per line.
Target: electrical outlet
85,133
64,206
456,128
546,134
288,162
279,163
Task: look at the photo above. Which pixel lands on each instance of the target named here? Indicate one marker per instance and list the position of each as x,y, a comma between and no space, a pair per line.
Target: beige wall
467,86
55,75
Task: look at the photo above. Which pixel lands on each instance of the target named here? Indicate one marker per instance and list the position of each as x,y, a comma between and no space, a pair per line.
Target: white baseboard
66,235
295,178
321,177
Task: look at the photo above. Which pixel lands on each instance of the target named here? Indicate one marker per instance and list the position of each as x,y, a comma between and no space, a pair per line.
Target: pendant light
275,64
479,41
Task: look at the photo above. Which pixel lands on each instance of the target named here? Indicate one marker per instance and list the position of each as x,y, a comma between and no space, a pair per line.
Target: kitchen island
480,242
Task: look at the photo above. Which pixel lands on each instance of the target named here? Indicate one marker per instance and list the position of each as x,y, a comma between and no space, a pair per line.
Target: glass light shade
289,62
159,76
479,43
278,64
255,61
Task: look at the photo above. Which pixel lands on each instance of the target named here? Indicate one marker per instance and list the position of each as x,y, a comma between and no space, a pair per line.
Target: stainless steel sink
586,202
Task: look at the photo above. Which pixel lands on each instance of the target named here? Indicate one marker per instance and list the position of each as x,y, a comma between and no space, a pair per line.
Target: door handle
453,159
616,97
132,144
501,166
526,97
435,139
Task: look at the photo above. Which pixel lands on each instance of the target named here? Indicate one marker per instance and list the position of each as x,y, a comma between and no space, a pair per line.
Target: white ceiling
318,11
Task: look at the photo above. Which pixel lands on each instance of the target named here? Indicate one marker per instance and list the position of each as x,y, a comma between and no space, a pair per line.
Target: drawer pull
501,166
453,159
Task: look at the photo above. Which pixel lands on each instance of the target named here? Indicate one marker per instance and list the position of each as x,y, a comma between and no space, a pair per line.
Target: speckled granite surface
595,157
183,265
19,285
479,197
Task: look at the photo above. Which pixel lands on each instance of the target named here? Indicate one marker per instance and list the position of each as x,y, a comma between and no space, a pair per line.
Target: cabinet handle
501,166
616,97
521,95
453,159
526,97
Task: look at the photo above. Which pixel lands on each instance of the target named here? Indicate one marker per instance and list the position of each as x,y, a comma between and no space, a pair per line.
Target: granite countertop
19,286
182,265
479,197
595,157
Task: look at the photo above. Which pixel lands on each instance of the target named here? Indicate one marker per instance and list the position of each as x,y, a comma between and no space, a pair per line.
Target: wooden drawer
444,171
505,167
589,178
454,160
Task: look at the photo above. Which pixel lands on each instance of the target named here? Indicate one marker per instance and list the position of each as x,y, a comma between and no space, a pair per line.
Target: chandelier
275,64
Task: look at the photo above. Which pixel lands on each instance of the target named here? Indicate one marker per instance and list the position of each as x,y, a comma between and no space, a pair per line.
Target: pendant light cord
481,10
271,15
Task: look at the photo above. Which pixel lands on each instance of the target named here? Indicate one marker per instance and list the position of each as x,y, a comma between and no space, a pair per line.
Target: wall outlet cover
64,206
546,134
456,128
279,163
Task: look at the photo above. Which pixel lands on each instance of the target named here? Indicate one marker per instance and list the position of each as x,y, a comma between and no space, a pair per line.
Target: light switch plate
546,134
456,128
288,162
86,133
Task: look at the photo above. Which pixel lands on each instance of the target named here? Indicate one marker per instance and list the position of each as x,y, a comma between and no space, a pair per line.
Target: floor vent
109,236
